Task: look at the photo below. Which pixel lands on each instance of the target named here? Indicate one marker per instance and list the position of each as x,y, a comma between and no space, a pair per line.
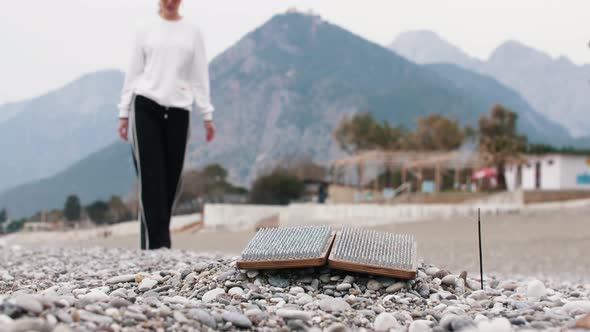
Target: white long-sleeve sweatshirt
168,65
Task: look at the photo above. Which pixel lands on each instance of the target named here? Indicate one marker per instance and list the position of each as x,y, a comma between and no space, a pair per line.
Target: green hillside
102,174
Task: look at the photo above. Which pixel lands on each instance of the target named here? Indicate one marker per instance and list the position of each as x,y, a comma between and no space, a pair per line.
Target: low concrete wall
246,217
542,196
346,195
440,198
121,229
574,204
237,217
372,214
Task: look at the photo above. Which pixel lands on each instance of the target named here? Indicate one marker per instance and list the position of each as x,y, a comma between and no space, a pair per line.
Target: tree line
433,132
210,184
497,136
285,182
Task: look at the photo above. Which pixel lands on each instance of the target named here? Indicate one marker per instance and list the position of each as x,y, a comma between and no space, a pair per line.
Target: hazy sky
45,44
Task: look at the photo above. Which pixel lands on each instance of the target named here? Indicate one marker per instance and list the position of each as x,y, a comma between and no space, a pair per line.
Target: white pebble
147,284
113,312
212,294
303,300
5,320
120,279
420,326
296,290
385,321
177,300
583,306
449,280
535,290
236,291
95,296
495,325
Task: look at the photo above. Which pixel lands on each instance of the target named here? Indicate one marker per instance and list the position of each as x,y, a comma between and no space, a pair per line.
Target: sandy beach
536,278
548,244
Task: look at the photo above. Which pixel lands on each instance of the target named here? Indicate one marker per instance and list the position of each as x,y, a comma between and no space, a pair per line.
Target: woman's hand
210,128
123,127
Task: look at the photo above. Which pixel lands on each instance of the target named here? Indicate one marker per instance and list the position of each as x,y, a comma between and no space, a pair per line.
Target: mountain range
557,88
44,135
108,171
281,90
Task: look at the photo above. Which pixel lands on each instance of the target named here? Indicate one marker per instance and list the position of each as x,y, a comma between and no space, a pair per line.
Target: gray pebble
28,303
348,279
337,327
294,314
121,279
203,316
179,317
461,323
394,288
95,318
200,267
343,286
334,305
237,319
29,324
374,285
278,281
449,280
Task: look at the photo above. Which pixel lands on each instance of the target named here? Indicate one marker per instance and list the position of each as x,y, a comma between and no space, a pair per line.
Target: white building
550,172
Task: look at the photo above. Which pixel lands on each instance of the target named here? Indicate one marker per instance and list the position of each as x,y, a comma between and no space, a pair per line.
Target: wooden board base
289,263
372,269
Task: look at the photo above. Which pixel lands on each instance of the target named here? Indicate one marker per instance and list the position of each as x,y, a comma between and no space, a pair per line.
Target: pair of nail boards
351,249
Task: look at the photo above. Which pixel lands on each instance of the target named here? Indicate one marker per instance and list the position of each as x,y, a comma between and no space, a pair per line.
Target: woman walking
167,73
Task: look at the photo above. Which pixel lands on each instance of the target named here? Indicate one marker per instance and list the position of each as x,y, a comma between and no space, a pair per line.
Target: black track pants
160,137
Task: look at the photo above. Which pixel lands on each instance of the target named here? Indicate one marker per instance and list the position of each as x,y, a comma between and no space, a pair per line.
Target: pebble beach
536,278
98,289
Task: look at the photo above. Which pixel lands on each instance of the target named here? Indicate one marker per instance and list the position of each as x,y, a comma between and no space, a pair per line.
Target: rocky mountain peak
514,51
425,47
